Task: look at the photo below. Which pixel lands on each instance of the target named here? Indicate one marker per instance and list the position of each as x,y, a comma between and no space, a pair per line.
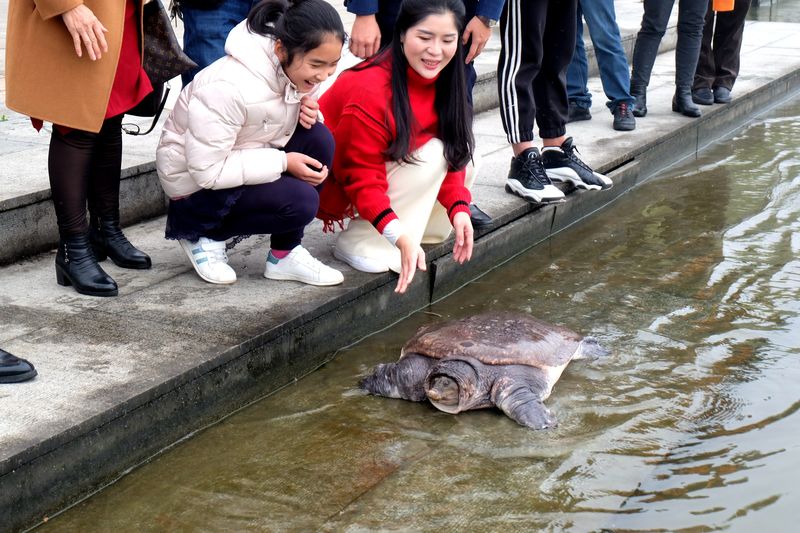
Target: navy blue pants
282,208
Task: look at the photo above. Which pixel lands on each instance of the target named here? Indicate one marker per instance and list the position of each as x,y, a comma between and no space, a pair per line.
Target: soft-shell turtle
506,360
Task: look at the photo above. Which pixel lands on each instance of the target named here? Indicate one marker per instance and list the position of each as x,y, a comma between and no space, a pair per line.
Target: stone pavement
123,378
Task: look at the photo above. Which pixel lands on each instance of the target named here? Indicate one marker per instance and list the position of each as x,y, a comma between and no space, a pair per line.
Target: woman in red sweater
403,132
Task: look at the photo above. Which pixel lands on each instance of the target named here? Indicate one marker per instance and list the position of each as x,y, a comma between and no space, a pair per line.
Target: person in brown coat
77,64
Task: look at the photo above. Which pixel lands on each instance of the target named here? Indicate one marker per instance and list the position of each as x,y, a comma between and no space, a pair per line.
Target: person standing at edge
206,25
690,32
403,131
538,39
374,26
718,66
77,64
611,60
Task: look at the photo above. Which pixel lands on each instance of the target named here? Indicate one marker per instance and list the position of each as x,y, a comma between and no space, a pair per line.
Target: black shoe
623,117
682,103
13,369
109,241
77,266
702,96
563,164
639,94
528,179
577,114
478,218
722,95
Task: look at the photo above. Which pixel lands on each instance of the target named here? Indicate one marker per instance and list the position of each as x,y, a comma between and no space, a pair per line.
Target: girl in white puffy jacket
243,152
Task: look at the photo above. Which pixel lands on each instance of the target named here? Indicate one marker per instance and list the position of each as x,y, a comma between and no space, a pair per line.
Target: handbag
163,59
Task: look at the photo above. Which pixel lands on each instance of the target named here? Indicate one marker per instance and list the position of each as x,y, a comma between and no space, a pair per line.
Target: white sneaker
364,264
301,266
209,260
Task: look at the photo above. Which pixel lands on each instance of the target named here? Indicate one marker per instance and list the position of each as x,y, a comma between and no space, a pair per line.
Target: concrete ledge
29,222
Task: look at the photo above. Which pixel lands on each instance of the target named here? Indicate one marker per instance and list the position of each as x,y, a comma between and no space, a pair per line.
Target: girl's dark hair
451,103
301,25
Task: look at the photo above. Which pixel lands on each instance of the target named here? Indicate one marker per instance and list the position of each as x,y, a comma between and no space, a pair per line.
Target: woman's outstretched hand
86,31
462,249
309,111
411,257
306,168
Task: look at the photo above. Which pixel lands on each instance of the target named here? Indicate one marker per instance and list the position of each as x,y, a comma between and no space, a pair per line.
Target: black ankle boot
639,93
682,102
109,241
76,266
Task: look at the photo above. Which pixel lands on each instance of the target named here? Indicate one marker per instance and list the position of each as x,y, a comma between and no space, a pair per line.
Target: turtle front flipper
522,404
404,379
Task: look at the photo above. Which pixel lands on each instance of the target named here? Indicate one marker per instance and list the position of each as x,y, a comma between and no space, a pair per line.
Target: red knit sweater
357,109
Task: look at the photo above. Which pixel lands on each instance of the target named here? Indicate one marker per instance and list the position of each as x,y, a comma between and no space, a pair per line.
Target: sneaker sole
204,278
624,127
514,187
289,277
341,257
564,175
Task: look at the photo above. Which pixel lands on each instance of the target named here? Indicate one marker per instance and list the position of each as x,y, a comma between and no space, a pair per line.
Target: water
692,280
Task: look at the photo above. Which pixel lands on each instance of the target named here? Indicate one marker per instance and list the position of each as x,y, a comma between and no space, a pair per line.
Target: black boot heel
61,278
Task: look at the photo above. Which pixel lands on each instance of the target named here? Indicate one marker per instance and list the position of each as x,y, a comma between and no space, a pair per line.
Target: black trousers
85,166
538,39
718,65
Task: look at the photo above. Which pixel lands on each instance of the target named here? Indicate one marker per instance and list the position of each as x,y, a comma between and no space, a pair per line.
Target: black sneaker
528,179
576,113
564,165
623,117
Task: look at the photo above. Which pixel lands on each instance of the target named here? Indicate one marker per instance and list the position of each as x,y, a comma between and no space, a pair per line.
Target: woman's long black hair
451,103
301,25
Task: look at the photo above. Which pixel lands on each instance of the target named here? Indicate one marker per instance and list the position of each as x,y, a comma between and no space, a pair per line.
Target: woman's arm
360,166
216,114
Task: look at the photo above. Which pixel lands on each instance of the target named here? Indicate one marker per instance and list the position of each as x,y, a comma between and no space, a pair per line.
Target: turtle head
452,384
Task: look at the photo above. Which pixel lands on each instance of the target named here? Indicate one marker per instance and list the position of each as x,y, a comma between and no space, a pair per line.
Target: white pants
413,188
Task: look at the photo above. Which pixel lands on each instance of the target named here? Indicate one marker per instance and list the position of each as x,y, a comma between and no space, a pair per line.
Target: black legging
85,166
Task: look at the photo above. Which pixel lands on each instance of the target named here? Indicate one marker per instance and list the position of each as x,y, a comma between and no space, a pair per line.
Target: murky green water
693,280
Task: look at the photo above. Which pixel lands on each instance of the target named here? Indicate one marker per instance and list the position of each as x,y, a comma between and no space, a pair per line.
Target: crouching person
403,131
243,153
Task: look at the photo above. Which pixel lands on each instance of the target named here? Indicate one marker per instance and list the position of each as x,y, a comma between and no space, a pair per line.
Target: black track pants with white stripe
538,39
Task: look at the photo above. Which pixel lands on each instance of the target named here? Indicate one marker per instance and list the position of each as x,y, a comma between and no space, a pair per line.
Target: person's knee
306,203
322,144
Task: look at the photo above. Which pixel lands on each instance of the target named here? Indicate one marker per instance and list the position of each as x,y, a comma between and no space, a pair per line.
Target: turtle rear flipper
525,407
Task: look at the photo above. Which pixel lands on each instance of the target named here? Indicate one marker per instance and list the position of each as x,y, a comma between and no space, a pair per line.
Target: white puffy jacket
229,124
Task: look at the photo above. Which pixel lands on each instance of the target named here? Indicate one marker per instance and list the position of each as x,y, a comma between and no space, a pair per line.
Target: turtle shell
497,338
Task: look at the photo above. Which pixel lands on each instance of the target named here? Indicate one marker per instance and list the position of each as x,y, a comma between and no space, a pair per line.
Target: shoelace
304,257
624,110
534,167
571,150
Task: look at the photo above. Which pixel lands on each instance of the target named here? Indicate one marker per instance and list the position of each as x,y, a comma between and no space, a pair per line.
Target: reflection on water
693,281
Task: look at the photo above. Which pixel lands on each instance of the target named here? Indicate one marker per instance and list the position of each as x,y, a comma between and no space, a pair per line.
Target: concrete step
26,209
121,379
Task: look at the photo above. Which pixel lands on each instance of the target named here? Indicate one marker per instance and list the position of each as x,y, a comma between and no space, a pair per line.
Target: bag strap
133,129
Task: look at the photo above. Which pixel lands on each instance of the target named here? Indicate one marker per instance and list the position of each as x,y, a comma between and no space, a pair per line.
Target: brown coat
45,78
